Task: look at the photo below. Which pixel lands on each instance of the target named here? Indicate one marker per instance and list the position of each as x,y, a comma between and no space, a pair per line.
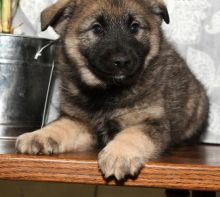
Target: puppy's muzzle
121,61
118,64
122,64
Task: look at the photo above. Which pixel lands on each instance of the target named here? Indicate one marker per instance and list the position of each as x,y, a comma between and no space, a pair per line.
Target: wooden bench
186,168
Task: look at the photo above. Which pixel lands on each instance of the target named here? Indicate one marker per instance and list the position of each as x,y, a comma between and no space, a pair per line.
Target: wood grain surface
188,167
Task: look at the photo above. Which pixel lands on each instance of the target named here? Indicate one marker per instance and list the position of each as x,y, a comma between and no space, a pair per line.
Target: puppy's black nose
121,61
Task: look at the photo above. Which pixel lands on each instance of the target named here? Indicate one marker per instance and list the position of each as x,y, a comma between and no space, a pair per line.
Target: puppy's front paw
120,159
36,143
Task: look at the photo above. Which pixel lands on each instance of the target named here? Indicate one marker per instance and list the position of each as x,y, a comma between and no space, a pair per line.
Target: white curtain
194,30
27,19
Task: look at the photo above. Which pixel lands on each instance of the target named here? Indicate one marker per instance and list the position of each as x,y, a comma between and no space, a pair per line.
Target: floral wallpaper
194,30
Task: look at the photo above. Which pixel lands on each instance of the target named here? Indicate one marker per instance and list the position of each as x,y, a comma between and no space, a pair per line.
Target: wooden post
177,193
203,194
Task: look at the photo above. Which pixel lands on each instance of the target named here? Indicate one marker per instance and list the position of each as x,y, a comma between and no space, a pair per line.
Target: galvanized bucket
24,83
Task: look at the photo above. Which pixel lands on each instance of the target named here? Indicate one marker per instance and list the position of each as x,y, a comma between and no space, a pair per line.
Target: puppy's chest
99,106
99,109
102,103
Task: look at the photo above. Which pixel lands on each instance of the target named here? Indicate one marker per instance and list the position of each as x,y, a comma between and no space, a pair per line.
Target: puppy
124,88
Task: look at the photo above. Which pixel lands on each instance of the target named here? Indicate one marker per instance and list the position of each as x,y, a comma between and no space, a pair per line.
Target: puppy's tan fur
61,136
127,153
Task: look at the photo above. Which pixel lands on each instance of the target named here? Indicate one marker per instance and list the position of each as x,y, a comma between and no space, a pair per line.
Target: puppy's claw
36,143
108,175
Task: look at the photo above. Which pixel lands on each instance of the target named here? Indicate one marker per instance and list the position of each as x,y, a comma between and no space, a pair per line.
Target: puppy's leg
60,136
131,148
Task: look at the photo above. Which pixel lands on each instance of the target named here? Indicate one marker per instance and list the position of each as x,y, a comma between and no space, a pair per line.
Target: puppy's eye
97,29
134,28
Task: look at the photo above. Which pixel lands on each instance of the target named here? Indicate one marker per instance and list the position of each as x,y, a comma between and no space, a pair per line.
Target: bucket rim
25,36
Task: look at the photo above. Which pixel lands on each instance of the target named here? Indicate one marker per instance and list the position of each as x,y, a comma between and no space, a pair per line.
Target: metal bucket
23,83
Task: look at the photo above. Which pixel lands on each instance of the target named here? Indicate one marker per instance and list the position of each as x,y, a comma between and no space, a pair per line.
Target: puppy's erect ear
159,8
51,15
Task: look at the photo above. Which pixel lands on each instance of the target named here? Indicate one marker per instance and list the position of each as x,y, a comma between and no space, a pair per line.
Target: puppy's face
110,41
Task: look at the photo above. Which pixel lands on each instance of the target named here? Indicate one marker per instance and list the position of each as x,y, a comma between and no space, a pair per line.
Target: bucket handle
37,55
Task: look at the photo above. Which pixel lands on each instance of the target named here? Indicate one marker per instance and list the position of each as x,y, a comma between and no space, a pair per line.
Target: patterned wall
195,30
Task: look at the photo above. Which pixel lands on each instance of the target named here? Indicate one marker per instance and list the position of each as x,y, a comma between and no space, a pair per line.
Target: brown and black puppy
124,88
